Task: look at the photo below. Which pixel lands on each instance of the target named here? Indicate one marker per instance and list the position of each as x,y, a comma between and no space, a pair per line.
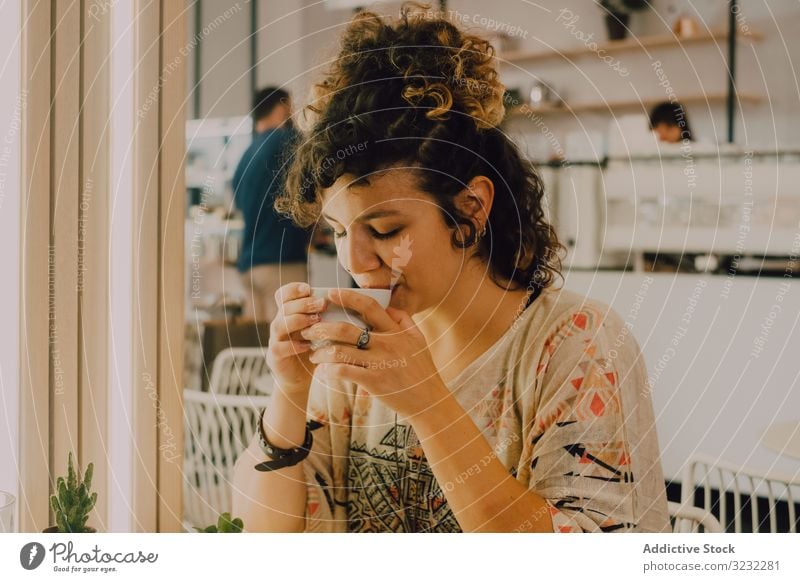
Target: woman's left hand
396,366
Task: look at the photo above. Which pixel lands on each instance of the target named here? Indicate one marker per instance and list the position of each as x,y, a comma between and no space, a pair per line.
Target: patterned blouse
562,398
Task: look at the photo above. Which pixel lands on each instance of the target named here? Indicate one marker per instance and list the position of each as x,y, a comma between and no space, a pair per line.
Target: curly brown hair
418,92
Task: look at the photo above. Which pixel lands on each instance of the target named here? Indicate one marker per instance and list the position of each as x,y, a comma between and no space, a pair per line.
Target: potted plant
73,501
225,524
618,14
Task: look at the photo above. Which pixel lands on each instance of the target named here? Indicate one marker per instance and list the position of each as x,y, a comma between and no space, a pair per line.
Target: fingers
284,326
338,331
369,309
296,310
341,354
305,305
286,349
292,291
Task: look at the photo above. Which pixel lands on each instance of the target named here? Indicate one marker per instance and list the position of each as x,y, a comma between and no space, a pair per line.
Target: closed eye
385,235
375,233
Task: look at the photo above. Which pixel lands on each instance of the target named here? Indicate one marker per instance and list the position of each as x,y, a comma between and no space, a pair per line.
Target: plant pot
617,25
54,529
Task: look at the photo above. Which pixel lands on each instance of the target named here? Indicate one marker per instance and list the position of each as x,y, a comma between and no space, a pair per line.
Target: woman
482,399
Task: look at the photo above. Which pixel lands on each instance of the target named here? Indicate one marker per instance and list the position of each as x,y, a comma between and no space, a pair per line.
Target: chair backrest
218,427
742,499
689,519
241,371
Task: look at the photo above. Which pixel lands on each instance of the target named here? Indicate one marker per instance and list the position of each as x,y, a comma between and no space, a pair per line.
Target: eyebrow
370,215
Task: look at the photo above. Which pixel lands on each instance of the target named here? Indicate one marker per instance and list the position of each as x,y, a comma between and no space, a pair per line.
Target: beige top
562,398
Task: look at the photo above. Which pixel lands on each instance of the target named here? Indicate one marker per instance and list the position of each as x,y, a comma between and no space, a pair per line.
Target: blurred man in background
274,250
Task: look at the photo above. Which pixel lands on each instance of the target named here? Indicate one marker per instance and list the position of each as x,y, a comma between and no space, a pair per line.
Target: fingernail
304,288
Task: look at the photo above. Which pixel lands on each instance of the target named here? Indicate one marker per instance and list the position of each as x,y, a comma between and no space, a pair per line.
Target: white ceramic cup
334,312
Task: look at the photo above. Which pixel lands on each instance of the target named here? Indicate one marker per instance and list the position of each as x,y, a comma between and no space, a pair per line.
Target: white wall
11,104
711,394
223,41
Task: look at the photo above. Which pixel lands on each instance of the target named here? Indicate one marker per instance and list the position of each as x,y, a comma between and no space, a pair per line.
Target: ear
475,201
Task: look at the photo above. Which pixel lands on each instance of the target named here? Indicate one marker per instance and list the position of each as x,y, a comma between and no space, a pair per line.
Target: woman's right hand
288,352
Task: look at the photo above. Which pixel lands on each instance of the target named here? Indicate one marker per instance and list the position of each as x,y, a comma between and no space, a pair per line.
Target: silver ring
363,339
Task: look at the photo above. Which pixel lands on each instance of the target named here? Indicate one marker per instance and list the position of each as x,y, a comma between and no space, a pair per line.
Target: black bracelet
282,457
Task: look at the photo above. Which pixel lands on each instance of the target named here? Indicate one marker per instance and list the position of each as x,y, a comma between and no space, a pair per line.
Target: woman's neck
476,313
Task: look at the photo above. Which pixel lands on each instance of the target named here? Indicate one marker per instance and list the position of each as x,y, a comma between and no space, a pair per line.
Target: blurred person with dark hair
670,122
274,249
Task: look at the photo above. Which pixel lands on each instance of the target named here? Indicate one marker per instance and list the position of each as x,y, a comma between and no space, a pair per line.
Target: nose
356,253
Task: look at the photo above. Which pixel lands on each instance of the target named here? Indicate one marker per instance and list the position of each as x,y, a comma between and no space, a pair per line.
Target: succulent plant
73,500
225,524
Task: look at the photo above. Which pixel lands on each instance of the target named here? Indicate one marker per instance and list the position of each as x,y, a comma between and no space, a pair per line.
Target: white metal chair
689,519
218,427
770,497
240,371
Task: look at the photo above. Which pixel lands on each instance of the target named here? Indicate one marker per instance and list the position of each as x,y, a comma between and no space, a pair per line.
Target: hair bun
463,76
442,68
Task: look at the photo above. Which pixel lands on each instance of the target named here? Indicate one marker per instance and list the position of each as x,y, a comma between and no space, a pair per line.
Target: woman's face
389,234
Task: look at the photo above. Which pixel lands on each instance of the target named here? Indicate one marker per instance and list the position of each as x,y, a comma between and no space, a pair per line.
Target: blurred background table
783,438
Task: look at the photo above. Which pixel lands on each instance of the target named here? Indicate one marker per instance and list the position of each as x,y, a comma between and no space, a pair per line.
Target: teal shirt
268,237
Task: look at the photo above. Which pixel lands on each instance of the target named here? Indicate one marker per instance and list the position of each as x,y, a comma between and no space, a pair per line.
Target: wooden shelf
628,44
762,239
525,110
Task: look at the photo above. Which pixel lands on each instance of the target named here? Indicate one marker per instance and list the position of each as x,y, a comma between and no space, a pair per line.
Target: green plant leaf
71,477
87,479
